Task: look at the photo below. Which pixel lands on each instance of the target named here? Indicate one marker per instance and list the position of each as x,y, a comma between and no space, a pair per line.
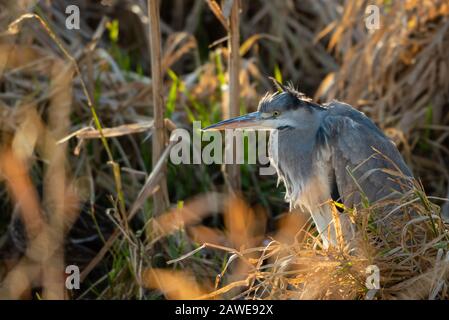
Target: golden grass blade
176,285
216,10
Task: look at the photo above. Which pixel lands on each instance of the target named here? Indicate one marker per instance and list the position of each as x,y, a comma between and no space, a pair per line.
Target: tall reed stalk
233,170
159,135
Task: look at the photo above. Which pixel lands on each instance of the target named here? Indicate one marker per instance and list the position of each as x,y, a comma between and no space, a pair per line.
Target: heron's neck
293,152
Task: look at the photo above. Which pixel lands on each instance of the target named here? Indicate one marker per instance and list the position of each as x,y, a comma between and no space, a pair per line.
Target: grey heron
323,152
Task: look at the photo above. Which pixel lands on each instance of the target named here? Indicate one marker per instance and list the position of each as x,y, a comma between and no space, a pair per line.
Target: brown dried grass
410,252
396,74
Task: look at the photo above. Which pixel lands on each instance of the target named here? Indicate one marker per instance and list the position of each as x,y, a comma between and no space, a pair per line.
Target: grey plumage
357,143
324,151
354,142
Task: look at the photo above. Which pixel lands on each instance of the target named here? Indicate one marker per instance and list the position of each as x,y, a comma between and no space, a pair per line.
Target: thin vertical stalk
233,171
55,178
159,135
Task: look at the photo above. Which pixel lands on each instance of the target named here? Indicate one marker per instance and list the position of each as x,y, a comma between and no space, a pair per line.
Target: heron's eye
276,113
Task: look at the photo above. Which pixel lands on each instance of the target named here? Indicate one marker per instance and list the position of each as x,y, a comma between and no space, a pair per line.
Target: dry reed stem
57,200
233,109
126,129
159,135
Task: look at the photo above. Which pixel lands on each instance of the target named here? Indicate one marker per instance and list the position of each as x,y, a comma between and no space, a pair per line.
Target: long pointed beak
251,120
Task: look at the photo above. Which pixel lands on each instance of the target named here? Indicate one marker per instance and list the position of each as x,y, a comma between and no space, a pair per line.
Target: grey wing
353,140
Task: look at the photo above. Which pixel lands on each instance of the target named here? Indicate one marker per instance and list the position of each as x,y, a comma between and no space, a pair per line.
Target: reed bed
78,173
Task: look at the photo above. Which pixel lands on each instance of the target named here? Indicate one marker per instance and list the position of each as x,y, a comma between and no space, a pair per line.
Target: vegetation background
83,182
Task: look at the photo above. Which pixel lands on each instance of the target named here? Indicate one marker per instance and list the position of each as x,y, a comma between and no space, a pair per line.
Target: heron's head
282,110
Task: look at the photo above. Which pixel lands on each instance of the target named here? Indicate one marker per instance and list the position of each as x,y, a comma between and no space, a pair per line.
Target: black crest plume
289,89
